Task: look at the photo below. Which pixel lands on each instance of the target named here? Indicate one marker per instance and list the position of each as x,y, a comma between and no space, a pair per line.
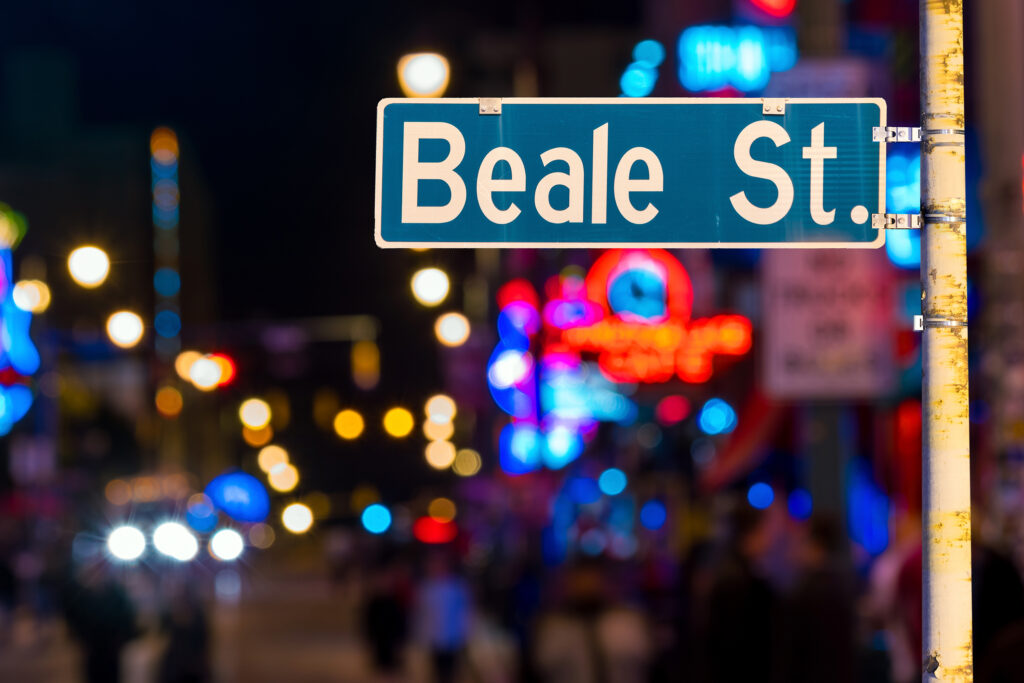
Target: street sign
827,325
615,172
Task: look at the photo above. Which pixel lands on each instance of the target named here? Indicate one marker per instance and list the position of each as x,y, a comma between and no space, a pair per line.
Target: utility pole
946,455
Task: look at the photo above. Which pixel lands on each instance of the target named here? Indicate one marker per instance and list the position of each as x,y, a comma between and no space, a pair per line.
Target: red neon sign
667,343
776,8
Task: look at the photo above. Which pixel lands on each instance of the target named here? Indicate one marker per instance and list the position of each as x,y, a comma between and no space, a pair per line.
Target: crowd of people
762,597
766,599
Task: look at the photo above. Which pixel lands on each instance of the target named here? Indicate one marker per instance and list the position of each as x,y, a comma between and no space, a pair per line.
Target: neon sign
743,57
645,332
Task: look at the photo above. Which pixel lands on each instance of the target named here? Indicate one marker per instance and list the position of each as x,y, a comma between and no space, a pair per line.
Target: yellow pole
948,652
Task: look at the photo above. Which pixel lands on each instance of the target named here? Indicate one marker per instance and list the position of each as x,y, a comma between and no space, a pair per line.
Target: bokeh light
270,457
205,373
653,515
423,74
398,422
261,536
169,401
348,424
227,545
126,543
283,477
31,295
440,454
175,541
440,408
258,437
430,286
650,52
438,431
717,417
442,509
800,504
118,492
365,364
200,513
430,530
163,145
612,481
125,329
467,462
452,329
227,368
297,518
183,364
376,518
672,410
760,495
638,80
89,266
254,413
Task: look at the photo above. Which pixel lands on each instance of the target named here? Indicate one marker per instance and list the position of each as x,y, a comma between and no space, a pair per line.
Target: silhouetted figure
385,621
741,607
187,658
818,629
998,614
590,639
442,614
102,619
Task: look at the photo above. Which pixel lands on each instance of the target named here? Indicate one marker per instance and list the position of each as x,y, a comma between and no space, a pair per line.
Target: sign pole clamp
922,323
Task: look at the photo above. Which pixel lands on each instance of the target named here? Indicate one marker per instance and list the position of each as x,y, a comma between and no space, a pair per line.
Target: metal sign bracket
773,106
895,134
896,221
490,106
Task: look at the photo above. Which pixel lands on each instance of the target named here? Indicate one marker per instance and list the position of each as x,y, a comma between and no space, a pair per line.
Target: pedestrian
741,608
102,618
385,621
443,607
817,638
187,657
592,638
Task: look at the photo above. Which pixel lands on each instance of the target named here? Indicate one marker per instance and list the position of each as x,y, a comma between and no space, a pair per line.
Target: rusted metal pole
946,459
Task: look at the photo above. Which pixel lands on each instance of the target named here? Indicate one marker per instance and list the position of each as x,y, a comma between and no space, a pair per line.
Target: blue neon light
519,448
562,445
166,282
743,57
376,518
653,515
800,504
867,508
903,195
638,80
167,324
583,490
240,496
650,52
612,481
716,417
760,495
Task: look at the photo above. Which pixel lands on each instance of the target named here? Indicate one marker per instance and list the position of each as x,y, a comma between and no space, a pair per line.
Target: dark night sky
277,101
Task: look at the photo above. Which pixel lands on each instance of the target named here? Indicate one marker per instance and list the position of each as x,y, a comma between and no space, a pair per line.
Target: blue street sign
615,172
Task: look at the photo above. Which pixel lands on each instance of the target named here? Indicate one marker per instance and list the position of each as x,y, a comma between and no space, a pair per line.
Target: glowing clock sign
637,319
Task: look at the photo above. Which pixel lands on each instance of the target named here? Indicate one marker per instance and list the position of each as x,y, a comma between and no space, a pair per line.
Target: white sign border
385,244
